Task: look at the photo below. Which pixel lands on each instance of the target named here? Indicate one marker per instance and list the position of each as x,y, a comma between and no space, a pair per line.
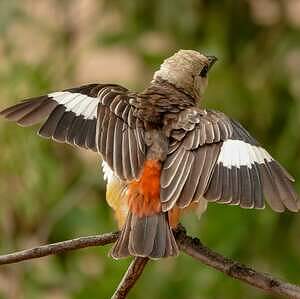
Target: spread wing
94,116
216,158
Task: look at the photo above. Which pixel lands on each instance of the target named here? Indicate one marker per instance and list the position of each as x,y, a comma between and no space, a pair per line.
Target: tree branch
131,276
190,246
194,248
60,247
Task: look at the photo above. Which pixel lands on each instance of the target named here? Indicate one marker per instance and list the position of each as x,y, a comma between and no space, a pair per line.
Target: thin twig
60,247
131,276
194,248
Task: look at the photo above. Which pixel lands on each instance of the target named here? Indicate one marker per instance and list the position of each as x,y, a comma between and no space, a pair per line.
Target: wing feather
229,167
89,116
90,140
193,179
48,129
118,166
63,126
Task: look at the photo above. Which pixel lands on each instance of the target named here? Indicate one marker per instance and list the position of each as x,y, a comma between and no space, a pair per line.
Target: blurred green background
51,192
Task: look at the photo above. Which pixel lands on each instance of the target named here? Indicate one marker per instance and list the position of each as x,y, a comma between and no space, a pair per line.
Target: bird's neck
172,91
161,97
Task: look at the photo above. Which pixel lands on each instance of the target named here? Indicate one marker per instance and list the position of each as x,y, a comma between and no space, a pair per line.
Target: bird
162,151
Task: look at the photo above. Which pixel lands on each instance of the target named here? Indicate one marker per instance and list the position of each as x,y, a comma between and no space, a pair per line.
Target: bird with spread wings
162,152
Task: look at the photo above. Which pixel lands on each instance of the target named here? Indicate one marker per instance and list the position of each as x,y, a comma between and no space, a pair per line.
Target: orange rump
143,194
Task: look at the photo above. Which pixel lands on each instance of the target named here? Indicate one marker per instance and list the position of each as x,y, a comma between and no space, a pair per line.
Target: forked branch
194,248
190,246
132,274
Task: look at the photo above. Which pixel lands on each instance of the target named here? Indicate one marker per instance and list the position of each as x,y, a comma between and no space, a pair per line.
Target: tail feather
146,232
142,235
120,249
171,245
160,240
147,236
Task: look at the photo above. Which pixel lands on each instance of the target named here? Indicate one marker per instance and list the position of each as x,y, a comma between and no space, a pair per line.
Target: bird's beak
211,61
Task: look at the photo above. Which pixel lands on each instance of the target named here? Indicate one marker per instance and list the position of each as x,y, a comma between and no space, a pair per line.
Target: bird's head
187,69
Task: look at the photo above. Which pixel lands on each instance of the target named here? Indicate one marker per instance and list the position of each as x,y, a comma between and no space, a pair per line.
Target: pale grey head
187,69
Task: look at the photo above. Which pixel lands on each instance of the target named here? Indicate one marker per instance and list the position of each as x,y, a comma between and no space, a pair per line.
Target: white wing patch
108,173
78,103
239,153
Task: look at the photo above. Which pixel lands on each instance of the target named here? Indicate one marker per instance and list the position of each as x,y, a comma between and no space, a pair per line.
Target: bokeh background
51,192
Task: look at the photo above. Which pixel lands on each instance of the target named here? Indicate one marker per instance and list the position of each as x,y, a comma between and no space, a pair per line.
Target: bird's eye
204,71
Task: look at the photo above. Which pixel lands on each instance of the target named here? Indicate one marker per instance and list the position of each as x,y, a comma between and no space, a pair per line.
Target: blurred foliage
51,192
